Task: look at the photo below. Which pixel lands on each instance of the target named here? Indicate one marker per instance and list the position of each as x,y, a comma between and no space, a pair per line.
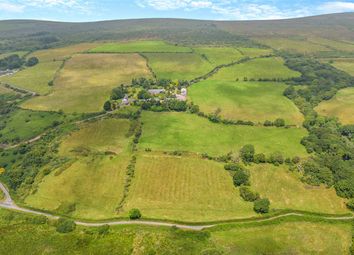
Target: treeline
330,142
15,62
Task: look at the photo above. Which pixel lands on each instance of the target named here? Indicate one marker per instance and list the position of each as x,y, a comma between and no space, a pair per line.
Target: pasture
86,81
34,78
295,45
285,238
24,124
344,64
261,68
185,188
255,101
178,66
6,91
340,106
332,44
94,184
286,191
255,52
219,55
98,136
139,46
186,132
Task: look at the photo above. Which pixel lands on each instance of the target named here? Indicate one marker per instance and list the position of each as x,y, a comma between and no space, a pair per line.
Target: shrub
103,230
350,204
32,61
279,123
134,214
233,167
107,106
65,225
261,205
66,208
276,158
247,153
241,177
248,195
260,158
268,123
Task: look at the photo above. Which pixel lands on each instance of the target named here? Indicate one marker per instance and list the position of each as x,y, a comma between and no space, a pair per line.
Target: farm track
8,203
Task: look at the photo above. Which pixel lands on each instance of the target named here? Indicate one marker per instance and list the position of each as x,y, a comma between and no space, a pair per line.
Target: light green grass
139,46
25,124
336,45
95,183
285,191
286,238
6,91
255,101
178,66
104,135
86,81
187,132
270,68
294,45
34,78
340,106
344,64
185,188
255,52
219,55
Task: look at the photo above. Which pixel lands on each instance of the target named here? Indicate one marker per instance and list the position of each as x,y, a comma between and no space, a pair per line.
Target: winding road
8,203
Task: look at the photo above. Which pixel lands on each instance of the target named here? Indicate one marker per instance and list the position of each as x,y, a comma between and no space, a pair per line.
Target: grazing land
187,132
341,106
219,55
185,188
92,181
255,101
86,81
22,125
178,66
34,78
293,45
255,52
261,68
332,44
139,46
286,191
344,64
6,91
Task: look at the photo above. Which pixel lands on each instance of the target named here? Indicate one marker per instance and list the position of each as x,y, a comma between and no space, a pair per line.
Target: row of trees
14,62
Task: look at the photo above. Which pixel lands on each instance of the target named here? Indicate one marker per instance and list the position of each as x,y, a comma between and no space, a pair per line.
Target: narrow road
8,203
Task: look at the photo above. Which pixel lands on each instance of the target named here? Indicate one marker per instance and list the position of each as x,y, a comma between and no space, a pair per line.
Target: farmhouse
183,95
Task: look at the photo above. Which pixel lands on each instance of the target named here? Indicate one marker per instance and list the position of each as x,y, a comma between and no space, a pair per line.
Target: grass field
25,124
60,54
341,106
270,68
19,53
187,188
5,91
279,238
255,101
219,55
34,78
288,192
178,66
104,135
344,64
187,132
336,45
86,81
93,182
294,45
255,52
286,238
139,46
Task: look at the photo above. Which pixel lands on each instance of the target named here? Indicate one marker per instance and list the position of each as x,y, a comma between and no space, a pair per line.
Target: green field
335,45
288,192
340,106
255,52
297,237
6,91
219,55
185,188
344,64
255,101
34,78
178,66
261,68
93,181
295,45
86,81
24,124
187,132
139,46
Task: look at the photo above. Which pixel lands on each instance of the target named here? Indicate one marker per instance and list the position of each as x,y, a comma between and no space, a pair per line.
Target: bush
233,167
103,230
32,61
261,205
260,158
107,106
247,153
248,195
65,225
268,123
134,214
279,123
350,204
241,177
276,158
